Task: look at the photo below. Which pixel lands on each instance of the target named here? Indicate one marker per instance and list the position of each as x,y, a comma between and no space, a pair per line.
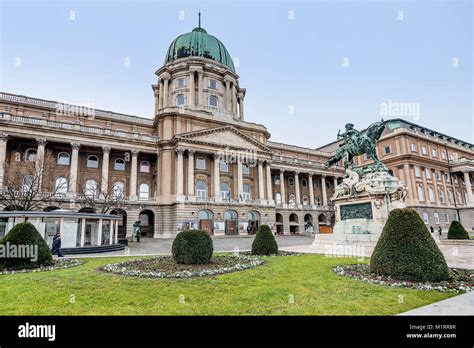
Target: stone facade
198,162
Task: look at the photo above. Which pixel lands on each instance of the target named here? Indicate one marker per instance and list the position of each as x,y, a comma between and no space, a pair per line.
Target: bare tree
24,182
101,200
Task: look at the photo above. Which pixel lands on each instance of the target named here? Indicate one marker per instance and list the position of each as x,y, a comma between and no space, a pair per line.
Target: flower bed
165,267
58,264
280,253
461,280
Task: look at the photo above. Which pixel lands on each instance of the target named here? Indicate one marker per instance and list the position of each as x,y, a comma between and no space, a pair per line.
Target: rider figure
350,135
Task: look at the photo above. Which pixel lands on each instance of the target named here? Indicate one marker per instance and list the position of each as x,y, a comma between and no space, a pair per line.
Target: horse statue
358,143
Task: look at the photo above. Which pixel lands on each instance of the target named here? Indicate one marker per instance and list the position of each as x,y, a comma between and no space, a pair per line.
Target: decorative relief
356,211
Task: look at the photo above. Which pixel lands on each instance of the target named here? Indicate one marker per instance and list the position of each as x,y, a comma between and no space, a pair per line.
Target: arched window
431,194
390,172
30,155
276,180
225,191
144,191
90,189
60,185
200,163
201,189
213,102
119,164
246,195
304,182
230,215
291,181
245,169
26,183
63,158
92,162
421,193
205,215
328,185
144,167
180,100
441,196
118,190
223,166
316,183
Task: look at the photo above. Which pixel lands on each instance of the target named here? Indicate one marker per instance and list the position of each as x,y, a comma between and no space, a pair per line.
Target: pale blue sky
284,62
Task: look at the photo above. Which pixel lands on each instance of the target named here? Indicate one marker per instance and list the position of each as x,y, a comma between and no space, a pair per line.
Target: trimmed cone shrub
457,231
192,247
264,242
21,237
406,250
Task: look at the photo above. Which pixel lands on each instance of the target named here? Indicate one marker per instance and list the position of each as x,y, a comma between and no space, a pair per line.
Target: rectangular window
417,172
180,83
223,167
436,218
426,218
446,218
427,173
443,155
423,150
434,153
413,147
212,84
387,150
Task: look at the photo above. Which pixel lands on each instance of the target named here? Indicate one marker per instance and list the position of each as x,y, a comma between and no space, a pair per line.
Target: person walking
431,229
440,230
56,250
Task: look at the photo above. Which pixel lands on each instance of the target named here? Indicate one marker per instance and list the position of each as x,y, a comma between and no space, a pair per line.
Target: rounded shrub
457,231
406,250
24,236
264,242
192,247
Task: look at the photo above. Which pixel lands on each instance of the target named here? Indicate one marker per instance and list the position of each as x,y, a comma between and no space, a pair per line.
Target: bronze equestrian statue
357,143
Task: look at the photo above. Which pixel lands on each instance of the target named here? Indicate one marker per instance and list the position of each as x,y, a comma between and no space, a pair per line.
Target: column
217,181
425,187
116,231
269,182
335,182
133,176
99,233
192,89
261,190
179,173
165,91
467,182
445,188
83,231
201,88
190,172
297,188
157,101
73,168
234,100
408,180
241,106
160,95
40,153
3,155
105,170
228,104
323,188
239,177
311,189
282,186
111,234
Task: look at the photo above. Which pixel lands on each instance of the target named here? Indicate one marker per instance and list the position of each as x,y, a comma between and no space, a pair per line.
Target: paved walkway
459,305
151,246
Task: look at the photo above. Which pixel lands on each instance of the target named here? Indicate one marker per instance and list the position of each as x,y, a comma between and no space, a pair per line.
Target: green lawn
265,290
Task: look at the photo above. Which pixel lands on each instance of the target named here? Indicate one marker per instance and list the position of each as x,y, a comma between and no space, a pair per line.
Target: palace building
199,162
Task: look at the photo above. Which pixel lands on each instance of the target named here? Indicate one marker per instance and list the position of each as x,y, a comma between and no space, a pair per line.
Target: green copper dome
199,43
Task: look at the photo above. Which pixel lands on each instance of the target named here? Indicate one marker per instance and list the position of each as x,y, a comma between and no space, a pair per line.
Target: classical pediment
223,137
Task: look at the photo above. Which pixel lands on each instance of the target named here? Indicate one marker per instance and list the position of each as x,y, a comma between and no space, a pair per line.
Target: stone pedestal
362,202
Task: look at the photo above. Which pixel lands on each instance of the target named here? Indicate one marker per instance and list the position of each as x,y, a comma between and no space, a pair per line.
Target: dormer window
180,83
212,84
213,101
